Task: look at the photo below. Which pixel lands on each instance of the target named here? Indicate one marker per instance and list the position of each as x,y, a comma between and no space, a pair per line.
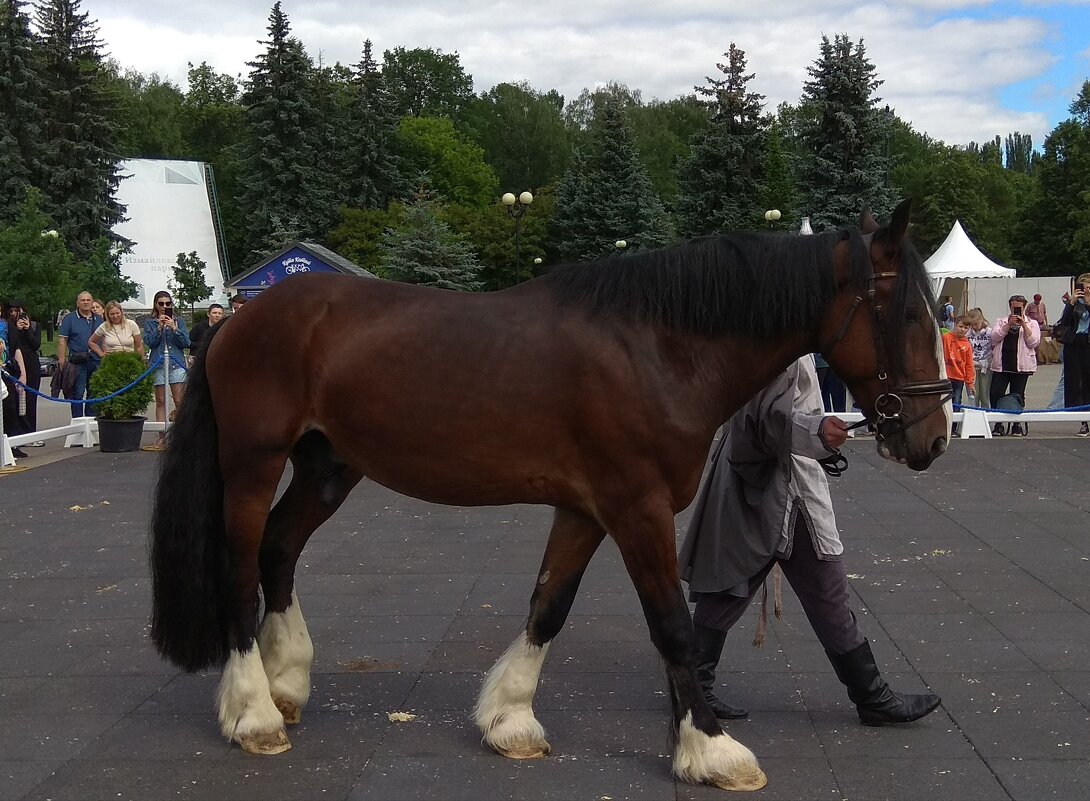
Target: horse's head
881,337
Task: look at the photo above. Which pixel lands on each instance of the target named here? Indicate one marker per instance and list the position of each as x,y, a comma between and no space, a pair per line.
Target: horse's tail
189,558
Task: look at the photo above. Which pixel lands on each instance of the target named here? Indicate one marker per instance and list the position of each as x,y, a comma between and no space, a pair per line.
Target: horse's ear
898,226
867,223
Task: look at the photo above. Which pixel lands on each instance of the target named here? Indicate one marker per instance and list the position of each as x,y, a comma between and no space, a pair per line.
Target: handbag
79,358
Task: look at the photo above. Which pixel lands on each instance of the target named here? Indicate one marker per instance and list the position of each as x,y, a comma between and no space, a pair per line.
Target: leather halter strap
889,405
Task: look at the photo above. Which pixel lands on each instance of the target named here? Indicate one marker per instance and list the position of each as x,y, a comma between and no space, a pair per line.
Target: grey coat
762,475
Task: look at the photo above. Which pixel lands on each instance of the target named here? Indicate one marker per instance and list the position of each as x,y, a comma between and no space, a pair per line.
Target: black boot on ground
709,648
875,702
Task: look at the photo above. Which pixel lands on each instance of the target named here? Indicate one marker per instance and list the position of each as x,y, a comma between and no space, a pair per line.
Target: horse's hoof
531,751
743,782
291,711
266,744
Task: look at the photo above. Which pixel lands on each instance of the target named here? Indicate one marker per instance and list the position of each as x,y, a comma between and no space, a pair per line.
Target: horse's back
411,385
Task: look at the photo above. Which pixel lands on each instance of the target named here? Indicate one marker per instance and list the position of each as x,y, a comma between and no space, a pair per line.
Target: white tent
958,257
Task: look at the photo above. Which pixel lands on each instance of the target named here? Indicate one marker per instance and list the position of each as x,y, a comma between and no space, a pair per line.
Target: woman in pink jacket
1014,342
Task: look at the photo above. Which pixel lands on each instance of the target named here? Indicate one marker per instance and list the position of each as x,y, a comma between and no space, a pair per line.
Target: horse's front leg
504,710
703,752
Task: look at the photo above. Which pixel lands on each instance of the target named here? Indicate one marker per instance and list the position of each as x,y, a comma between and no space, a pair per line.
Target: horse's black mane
754,284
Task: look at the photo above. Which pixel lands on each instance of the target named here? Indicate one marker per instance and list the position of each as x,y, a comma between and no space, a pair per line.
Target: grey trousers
821,585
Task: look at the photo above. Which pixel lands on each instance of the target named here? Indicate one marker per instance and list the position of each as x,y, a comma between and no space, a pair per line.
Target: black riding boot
709,647
873,698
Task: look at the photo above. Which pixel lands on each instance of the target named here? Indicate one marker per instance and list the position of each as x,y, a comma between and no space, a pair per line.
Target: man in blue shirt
73,345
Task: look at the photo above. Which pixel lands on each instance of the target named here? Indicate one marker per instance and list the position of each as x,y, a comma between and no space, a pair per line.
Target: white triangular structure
958,257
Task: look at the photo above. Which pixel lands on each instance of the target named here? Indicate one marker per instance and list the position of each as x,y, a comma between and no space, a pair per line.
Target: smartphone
1017,310
169,311
1080,287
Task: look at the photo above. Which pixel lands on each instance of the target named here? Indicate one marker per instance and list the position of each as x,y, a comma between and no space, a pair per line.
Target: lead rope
776,575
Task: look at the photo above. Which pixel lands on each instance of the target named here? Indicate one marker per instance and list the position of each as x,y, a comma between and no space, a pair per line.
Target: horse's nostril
938,447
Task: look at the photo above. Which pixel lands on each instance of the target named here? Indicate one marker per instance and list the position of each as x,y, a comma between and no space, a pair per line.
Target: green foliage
100,272
722,182
284,178
1054,234
150,111
491,233
34,263
606,195
438,158
425,82
423,250
1018,152
663,132
372,169
21,116
115,372
79,154
358,236
522,134
844,166
949,184
187,286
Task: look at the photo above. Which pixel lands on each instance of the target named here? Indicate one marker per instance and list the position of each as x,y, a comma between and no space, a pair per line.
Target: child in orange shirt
958,352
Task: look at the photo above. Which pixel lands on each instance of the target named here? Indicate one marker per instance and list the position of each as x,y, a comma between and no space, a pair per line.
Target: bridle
889,406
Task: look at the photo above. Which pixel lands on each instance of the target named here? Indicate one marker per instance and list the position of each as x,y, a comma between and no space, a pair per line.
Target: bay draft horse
596,389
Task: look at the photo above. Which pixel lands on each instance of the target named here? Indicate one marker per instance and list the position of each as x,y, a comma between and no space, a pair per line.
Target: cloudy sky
959,70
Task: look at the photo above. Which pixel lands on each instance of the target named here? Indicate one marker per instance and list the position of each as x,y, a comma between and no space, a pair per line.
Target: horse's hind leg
703,753
504,710
318,487
247,713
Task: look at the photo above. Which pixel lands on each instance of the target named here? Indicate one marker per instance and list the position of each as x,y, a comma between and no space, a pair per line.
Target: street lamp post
773,216
516,207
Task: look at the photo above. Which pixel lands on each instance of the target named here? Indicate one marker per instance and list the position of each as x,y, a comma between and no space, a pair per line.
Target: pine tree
423,250
606,194
722,180
845,166
20,114
282,172
372,169
79,162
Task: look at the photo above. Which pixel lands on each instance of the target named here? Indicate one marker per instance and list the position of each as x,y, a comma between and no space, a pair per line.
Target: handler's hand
834,431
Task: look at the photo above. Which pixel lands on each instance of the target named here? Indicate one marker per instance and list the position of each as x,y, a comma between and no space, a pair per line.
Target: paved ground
971,579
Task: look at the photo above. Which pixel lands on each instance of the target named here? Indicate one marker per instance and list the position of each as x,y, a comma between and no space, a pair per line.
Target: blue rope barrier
960,407
151,368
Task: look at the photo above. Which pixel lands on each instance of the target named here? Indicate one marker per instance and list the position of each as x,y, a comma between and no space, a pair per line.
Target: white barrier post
7,458
974,423
166,381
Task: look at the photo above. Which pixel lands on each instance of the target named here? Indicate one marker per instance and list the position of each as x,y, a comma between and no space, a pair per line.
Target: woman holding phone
162,330
1075,325
1014,343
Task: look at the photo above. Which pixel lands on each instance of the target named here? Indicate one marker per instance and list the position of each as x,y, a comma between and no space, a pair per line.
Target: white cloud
942,72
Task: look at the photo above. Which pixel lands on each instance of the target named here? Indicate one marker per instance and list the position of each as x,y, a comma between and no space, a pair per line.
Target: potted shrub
120,419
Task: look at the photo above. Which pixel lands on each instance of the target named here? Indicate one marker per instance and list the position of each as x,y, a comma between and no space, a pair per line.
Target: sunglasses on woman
164,305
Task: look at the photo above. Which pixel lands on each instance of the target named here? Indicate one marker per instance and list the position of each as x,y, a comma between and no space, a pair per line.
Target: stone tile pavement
971,579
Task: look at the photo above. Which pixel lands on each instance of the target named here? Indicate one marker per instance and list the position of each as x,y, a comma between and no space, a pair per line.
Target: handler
766,501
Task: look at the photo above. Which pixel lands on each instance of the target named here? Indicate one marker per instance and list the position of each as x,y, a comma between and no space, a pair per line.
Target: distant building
171,208
296,259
